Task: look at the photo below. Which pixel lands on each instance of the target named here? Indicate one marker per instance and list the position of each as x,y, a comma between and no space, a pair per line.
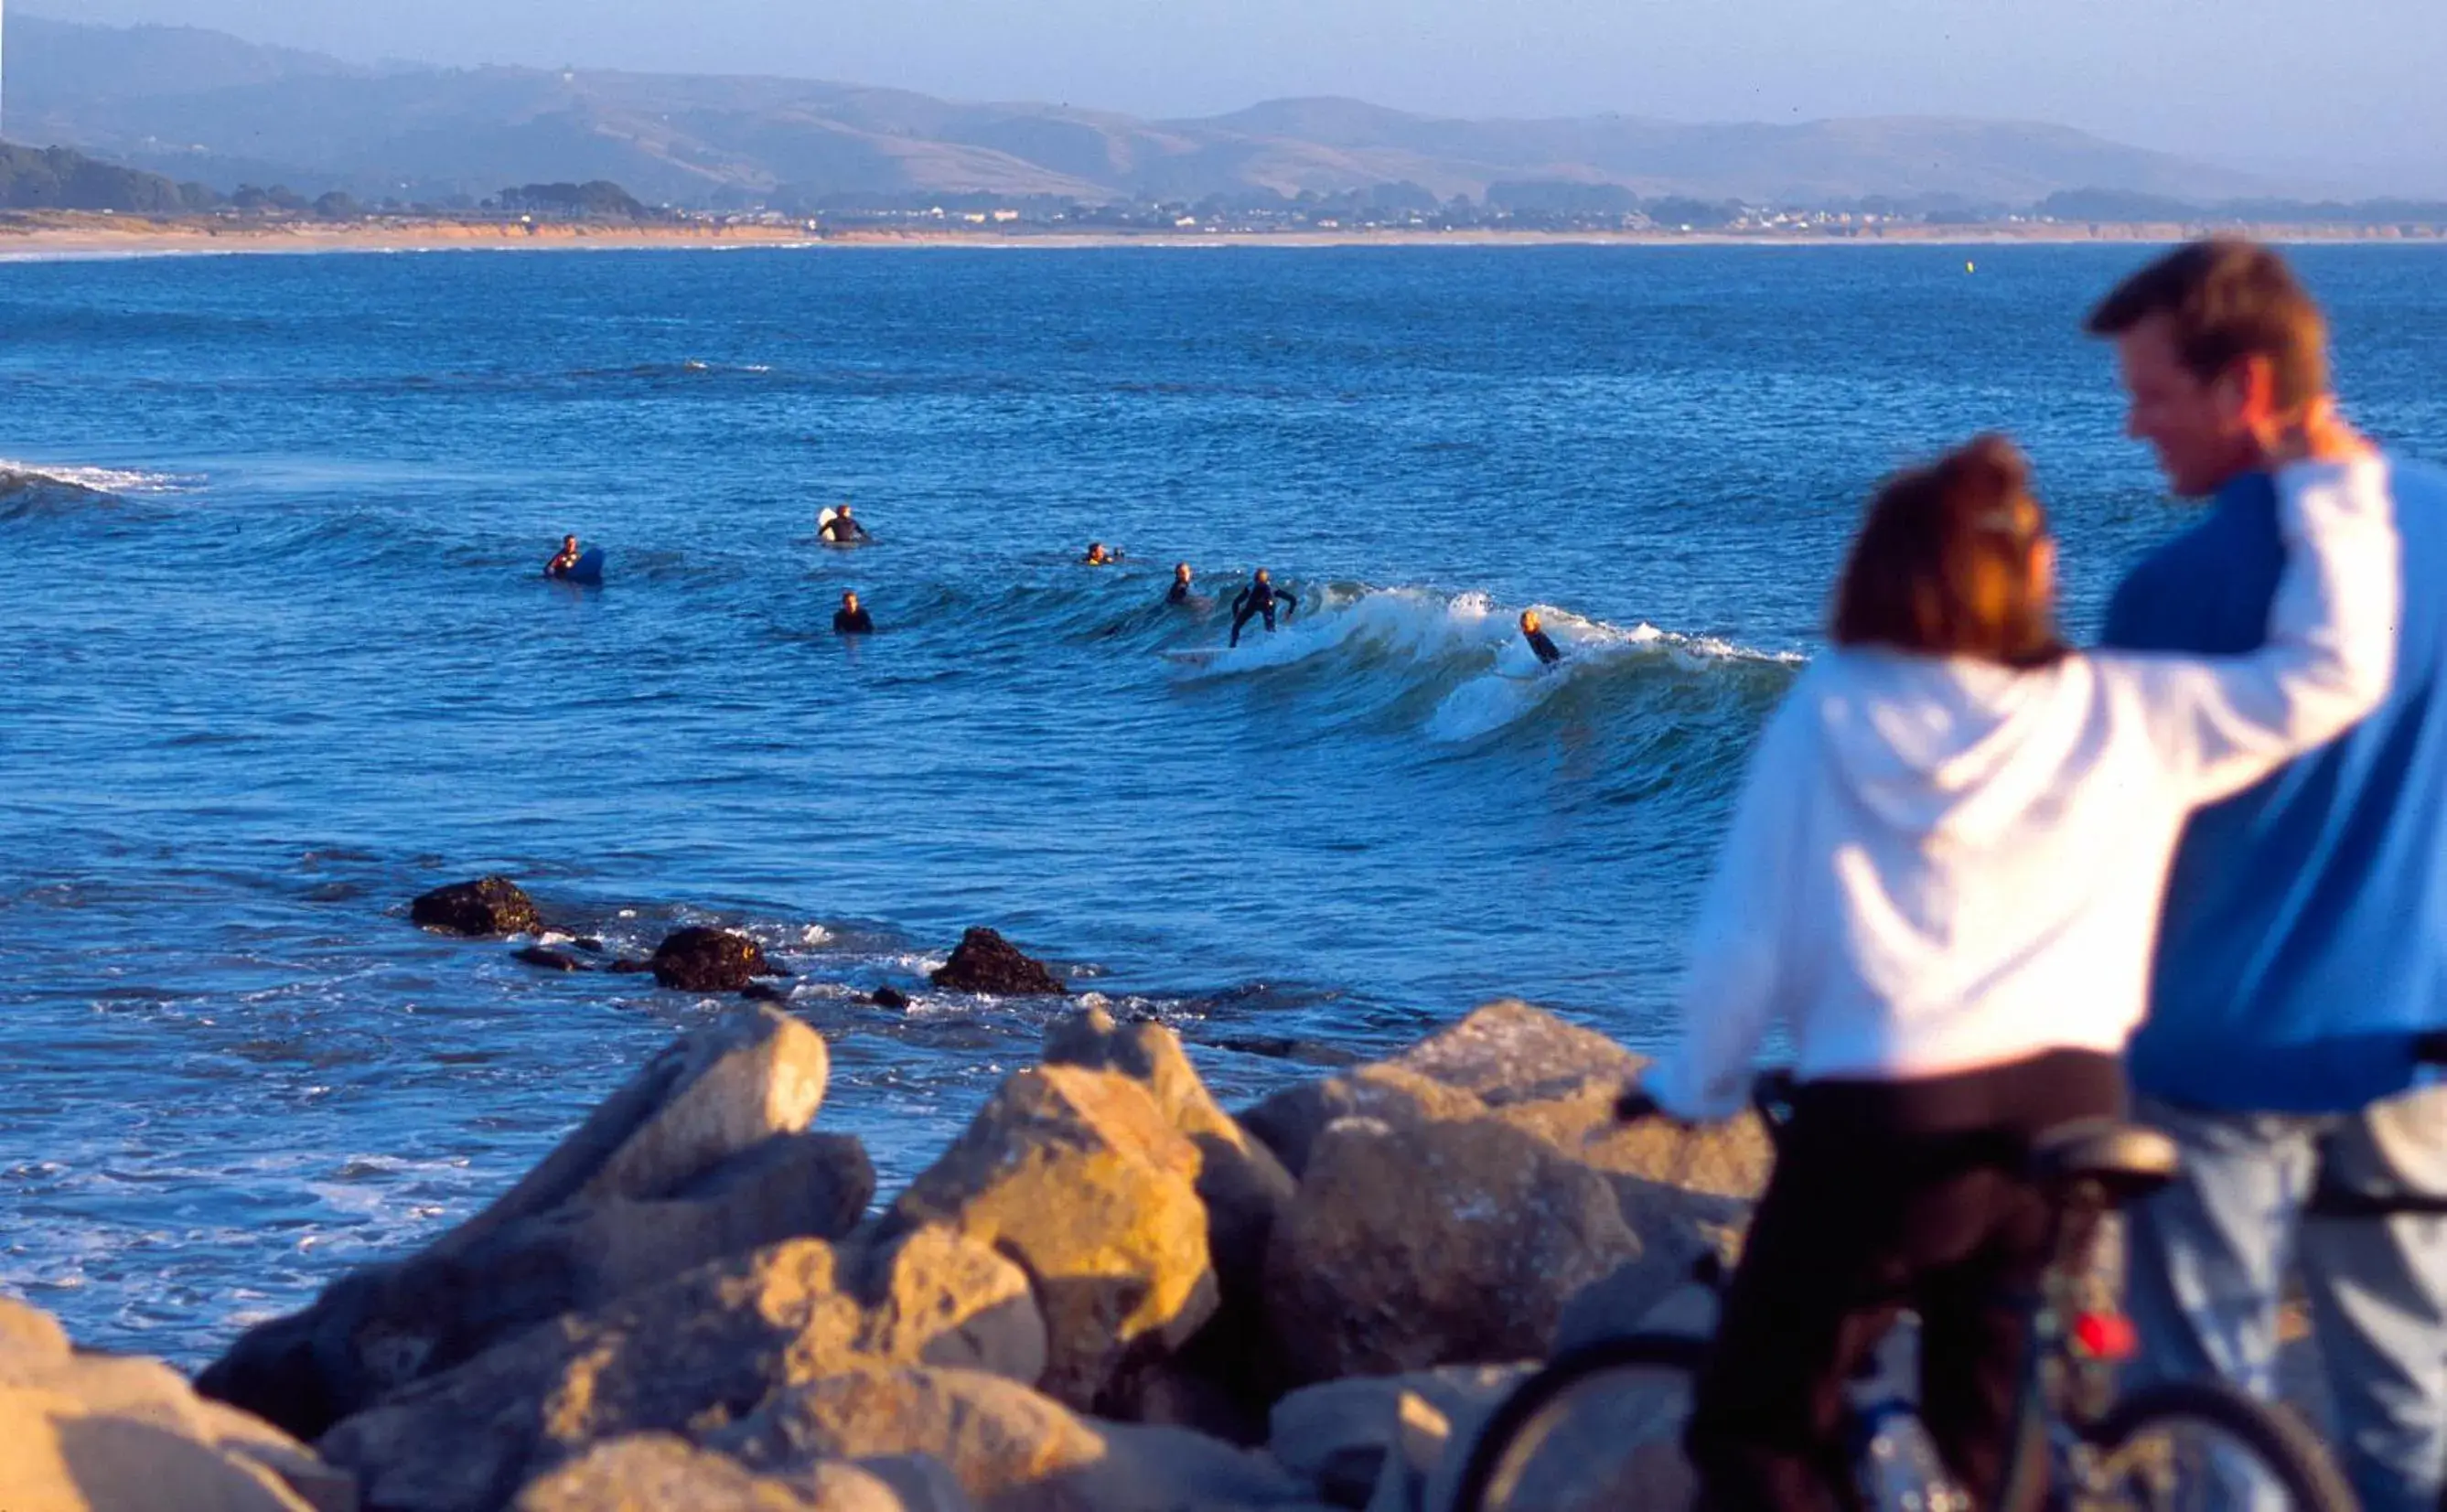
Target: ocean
278,656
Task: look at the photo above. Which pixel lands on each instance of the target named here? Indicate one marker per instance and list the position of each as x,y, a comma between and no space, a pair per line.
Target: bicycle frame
2080,1340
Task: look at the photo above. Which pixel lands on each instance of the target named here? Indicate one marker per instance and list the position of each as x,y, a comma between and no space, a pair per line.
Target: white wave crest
1517,683
97,479
1412,623
1433,636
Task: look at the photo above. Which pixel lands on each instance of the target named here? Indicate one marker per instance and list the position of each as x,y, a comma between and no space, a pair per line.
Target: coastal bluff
1108,1294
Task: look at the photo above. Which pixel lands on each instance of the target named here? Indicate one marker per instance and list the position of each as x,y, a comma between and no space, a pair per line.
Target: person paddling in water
1538,639
1180,591
564,559
1098,556
840,530
849,619
1261,598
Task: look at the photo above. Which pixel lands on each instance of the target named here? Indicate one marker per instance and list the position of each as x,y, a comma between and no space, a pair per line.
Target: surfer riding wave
1261,598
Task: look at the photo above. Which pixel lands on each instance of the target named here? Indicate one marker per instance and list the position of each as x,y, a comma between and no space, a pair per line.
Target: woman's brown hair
1944,564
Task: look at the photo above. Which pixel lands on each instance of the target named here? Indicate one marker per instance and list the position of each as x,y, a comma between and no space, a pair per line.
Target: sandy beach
47,234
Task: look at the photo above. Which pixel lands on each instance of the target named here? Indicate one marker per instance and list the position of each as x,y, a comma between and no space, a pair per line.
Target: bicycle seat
2127,1160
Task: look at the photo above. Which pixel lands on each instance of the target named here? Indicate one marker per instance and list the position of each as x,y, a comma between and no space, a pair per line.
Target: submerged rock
986,962
487,906
548,959
698,1156
699,959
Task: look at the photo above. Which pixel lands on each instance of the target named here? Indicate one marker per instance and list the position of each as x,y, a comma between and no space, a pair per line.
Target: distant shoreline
49,236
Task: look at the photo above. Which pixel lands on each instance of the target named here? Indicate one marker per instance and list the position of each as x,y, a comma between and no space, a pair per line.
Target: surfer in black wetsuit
1180,592
560,564
842,530
1261,598
1537,639
849,619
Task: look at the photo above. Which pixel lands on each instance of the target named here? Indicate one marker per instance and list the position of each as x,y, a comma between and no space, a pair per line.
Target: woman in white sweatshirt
1942,879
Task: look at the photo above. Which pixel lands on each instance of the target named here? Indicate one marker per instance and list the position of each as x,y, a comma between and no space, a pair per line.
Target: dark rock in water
489,905
1274,1047
698,959
764,993
630,966
986,962
588,943
890,997
551,960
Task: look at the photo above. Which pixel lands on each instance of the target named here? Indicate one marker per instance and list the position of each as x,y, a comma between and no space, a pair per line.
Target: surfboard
1196,657
826,517
587,569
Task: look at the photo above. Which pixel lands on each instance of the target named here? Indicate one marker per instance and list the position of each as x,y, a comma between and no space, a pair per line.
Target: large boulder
1225,1377
1437,1244
1343,1436
677,1167
701,959
986,962
1289,1120
1079,1177
662,1472
1684,1191
657,1472
114,1433
1241,1181
688,1356
1619,1450
1498,1055
1013,1449
487,906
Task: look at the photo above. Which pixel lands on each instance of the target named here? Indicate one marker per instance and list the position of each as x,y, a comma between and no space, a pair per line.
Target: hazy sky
2291,81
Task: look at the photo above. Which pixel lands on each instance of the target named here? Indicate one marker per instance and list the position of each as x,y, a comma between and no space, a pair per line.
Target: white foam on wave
1517,683
99,480
1408,622
1438,633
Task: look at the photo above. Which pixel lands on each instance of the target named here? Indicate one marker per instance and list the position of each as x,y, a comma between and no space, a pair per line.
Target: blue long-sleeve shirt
2305,936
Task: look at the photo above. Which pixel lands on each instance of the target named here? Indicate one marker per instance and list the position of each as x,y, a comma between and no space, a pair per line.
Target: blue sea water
277,656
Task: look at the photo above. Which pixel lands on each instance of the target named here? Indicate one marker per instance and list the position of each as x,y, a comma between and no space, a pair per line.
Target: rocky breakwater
1109,1295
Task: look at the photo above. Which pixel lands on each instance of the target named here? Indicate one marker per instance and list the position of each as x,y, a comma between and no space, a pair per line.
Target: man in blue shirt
2303,942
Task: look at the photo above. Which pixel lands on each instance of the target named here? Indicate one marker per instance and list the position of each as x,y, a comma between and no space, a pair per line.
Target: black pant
1248,613
1887,1195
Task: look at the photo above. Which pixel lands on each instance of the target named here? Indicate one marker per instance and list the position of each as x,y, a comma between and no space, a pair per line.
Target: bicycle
2082,1443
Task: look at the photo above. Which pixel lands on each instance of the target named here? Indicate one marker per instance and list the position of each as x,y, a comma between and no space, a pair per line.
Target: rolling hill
205,107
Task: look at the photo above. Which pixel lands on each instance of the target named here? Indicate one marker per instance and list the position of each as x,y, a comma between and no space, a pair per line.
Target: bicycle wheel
2191,1445
1599,1430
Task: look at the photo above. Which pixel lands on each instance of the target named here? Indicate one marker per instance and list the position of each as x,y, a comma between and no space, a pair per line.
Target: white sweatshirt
1941,864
